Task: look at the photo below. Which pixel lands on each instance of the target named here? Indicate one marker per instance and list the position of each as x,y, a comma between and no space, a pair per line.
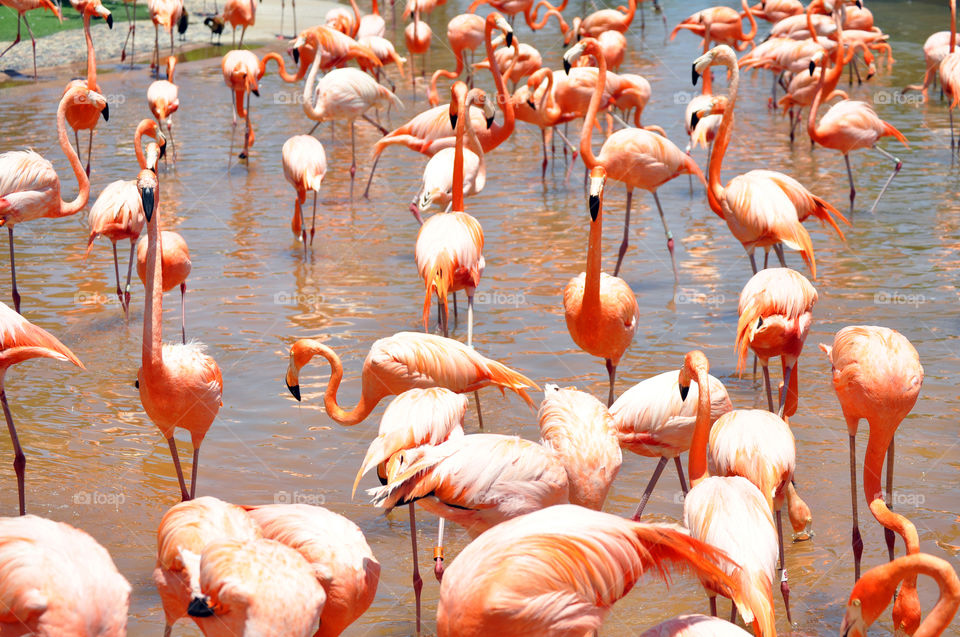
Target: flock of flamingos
545,560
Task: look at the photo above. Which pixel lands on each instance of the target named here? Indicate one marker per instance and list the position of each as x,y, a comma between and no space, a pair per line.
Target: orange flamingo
175,265
185,530
180,386
241,74
239,13
528,60
117,213
385,53
776,10
304,166
637,157
164,100
652,420
722,25
762,208
29,186
406,360
729,513
58,582
873,592
464,33
617,20
775,315
21,7
560,570
21,340
601,310
344,564
336,49
165,13
877,375
417,36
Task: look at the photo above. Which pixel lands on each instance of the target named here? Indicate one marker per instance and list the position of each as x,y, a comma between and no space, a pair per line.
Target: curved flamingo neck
334,410
72,207
872,465
697,462
631,11
356,19
152,354
498,134
753,24
375,9
91,56
722,141
825,86
530,15
281,67
472,141
586,148
142,128
309,109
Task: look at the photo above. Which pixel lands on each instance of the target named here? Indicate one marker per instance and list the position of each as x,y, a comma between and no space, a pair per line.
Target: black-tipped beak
531,104
694,120
696,76
684,391
566,66
199,608
163,151
110,21
509,39
106,113
255,92
490,122
813,66
296,55
859,4
295,390
453,121
136,383
594,203
147,197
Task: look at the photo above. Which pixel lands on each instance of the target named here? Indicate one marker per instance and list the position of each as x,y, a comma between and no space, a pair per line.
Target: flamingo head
458,95
695,367
598,177
586,45
147,184
817,59
718,104
722,54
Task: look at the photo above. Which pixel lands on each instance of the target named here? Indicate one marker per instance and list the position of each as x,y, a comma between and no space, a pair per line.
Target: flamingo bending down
385,53
652,419
877,375
722,25
336,49
304,166
406,360
241,73
21,7
180,386
29,186
613,20
776,10
558,572
21,340
600,310
528,60
163,13
775,315
58,582
637,157
164,100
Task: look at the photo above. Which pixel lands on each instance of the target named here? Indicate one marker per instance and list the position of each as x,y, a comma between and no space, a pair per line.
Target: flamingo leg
683,480
857,541
383,131
624,243
612,373
470,320
126,289
283,9
853,191
116,269
766,382
733,613
167,630
243,32
476,398
888,534
89,151
951,127
417,580
33,43
353,157
173,145
454,298
778,248
155,60
543,140
16,41
649,489
666,230
784,584
293,7
313,223
183,312
303,225
783,393
184,496
193,471
123,50
373,169
171,49
753,262
713,606
438,553
13,272
19,460
897,166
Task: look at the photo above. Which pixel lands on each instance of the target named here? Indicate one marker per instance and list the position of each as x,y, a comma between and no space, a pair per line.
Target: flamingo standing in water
58,582
239,13
165,13
21,7
336,49
304,166
574,563
464,33
164,100
118,214
601,310
180,386
877,375
637,157
21,340
617,20
406,360
241,74
723,25
417,36
29,186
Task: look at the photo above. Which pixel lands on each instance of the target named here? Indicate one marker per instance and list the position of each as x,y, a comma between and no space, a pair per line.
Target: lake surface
95,460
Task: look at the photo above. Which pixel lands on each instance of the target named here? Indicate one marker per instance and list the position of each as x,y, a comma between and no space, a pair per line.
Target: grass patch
43,22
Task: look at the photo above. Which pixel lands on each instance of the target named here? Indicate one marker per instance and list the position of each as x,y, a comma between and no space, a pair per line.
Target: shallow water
96,461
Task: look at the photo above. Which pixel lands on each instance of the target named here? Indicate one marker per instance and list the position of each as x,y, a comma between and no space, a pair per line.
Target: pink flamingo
464,33
29,186
950,70
58,582
417,36
21,340
175,265
164,100
695,626
304,166
634,156
336,49
528,60
180,386
21,7
776,10
165,13
239,13
877,376
722,25
618,20
241,74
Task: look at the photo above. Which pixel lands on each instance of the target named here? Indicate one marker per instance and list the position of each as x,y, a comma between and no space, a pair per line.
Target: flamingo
164,100
559,571
385,53
528,61
283,10
776,10
58,582
346,94
760,207
695,626
464,33
729,513
336,549
935,49
406,360
304,166
239,13
417,36
877,375
163,13
415,418
651,419
449,248
80,115
873,592
185,530
950,69
118,214
180,386
29,186
21,340
241,74
634,156
603,20
775,315
600,310
336,49
535,105
722,25
432,130
371,24
257,587
850,125
175,265
21,7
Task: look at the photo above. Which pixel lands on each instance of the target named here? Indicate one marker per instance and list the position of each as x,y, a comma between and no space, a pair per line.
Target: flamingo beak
106,112
295,390
509,38
453,121
812,66
148,197
695,75
694,120
684,391
110,21
531,104
296,55
199,608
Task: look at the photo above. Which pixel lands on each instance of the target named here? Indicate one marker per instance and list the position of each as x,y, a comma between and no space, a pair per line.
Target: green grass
43,22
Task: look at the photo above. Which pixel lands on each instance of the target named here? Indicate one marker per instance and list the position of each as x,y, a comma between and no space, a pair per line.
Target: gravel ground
68,49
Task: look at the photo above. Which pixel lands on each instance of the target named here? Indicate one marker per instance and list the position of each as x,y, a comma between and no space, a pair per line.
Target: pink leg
19,460
184,496
417,580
